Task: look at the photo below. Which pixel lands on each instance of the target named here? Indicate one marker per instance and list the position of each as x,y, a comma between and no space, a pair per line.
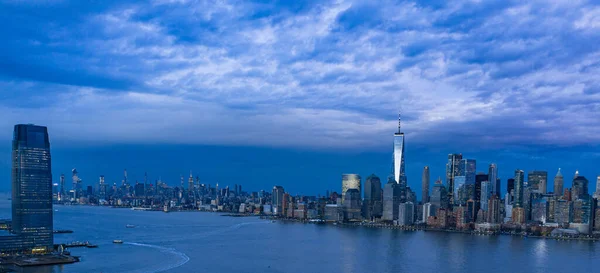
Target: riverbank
429,229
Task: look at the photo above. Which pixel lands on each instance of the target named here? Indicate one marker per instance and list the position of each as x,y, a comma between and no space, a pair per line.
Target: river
208,242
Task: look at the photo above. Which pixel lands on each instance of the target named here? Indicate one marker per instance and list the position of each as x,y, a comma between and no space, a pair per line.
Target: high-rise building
537,180
77,190
439,195
428,210
493,213
480,177
391,200
62,194
350,181
277,200
352,205
579,188
373,194
493,178
191,182
597,192
519,188
102,187
486,193
558,184
398,160
510,185
406,214
32,221
452,170
425,185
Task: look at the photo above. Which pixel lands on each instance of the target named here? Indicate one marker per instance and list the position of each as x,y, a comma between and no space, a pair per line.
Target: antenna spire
399,122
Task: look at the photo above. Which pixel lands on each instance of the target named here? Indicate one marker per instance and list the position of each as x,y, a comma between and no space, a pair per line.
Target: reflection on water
206,242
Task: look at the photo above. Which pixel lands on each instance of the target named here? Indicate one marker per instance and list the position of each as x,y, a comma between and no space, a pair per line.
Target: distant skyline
308,86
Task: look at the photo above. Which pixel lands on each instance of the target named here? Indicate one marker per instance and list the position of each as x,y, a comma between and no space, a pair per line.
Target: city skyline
460,172
302,83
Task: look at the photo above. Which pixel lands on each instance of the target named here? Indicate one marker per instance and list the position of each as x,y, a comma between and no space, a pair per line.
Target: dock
37,260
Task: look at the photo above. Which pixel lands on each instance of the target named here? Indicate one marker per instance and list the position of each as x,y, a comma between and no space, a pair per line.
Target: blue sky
302,84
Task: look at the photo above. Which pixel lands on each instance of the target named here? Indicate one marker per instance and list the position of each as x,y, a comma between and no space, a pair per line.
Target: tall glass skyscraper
32,188
425,185
452,170
398,165
493,178
519,188
537,180
350,181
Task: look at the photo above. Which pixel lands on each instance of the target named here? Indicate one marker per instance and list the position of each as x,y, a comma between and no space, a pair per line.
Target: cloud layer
311,74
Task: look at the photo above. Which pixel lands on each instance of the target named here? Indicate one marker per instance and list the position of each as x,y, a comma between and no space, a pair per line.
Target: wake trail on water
182,258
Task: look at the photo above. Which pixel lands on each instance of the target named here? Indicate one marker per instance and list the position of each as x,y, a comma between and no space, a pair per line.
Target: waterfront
207,242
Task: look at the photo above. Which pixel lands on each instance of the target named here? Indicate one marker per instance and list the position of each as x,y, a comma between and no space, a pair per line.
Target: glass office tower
32,188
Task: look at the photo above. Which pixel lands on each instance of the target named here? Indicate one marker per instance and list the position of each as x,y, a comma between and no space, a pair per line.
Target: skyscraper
439,195
519,188
391,200
579,188
493,178
62,193
398,159
452,170
277,200
597,192
373,205
480,177
558,184
406,214
486,192
77,191
350,181
510,185
537,180
493,214
425,185
32,188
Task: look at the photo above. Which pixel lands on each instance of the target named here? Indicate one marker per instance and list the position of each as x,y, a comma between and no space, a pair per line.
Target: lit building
425,185
459,191
538,180
452,170
439,195
480,177
518,215
350,181
398,160
428,210
494,180
597,192
352,205
278,200
493,213
558,183
519,188
391,200
579,188
32,221
406,214
486,192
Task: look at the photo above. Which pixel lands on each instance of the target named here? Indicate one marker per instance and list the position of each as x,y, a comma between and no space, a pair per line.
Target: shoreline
371,225
426,229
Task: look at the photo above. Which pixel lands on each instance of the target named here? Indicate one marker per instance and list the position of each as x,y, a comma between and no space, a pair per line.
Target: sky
296,93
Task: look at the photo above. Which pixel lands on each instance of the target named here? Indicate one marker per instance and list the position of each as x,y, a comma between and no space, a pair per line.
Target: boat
272,221
117,241
129,226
